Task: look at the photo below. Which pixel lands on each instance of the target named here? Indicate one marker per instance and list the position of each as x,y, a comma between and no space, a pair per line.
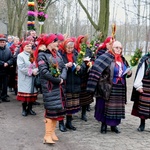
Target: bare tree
103,18
17,12
68,16
138,24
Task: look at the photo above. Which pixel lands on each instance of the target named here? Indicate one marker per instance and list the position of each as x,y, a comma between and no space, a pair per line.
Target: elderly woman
73,81
26,70
108,78
141,92
52,74
86,98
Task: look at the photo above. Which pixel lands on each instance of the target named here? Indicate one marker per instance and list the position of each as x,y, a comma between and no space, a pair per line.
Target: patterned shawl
99,66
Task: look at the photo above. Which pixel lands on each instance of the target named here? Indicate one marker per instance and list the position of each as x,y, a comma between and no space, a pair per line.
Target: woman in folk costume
52,75
73,81
110,108
141,91
26,69
86,98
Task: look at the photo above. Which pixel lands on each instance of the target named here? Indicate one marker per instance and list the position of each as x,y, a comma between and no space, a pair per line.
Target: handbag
36,83
104,84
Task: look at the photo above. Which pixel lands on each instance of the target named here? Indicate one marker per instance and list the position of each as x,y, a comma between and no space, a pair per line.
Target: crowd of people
68,87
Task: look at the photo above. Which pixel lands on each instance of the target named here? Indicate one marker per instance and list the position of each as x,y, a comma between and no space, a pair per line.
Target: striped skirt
141,107
26,97
72,103
115,106
85,98
58,115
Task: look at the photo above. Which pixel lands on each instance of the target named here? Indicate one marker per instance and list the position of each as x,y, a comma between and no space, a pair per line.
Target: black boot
88,108
62,127
5,98
103,128
142,125
69,123
115,129
30,111
24,109
83,113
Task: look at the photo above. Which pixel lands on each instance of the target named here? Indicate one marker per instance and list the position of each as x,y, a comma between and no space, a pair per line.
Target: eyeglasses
118,48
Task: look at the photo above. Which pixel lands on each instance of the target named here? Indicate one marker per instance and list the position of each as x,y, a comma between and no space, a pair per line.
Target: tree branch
88,15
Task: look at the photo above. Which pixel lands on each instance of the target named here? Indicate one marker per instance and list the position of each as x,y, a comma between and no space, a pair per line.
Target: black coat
73,81
52,91
5,57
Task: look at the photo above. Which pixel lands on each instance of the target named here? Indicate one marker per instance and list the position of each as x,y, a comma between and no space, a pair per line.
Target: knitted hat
3,37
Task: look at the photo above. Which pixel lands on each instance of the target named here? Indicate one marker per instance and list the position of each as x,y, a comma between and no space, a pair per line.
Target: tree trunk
103,21
104,18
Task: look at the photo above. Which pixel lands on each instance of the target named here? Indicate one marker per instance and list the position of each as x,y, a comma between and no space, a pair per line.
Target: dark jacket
73,80
85,74
52,91
5,57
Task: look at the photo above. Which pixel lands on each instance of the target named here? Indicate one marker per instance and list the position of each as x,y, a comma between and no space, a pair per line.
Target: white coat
25,72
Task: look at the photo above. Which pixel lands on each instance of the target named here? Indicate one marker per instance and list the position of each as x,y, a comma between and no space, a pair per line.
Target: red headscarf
69,55
107,40
44,39
78,42
74,39
117,56
60,37
23,44
63,45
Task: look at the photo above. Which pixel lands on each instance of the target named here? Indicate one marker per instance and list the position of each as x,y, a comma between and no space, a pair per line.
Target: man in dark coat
6,60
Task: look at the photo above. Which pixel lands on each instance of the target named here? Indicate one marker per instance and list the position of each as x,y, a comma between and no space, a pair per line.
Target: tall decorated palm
41,15
31,15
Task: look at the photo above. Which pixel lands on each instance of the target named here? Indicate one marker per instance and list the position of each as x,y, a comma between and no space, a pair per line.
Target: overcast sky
119,11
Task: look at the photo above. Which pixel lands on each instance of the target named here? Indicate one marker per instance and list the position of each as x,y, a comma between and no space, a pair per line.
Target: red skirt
26,97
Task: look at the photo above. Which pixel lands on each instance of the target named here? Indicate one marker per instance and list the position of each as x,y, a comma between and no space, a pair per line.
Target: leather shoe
115,129
24,113
36,103
31,112
84,118
141,128
71,127
62,127
88,108
103,128
5,100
